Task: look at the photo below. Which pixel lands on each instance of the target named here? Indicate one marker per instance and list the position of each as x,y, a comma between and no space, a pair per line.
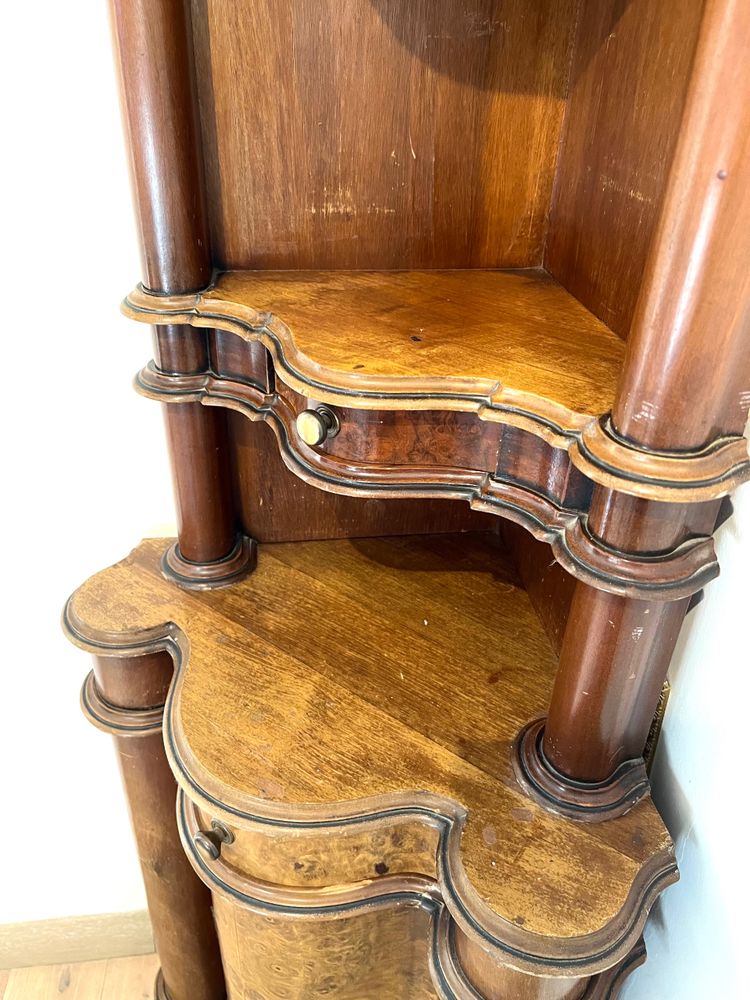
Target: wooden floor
111,979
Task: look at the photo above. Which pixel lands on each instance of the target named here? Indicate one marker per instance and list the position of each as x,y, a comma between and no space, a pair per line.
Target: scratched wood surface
629,76
377,133
517,328
345,670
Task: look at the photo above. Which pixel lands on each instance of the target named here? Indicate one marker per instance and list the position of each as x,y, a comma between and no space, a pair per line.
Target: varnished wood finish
617,651
180,909
154,44
370,940
130,690
553,514
531,358
277,506
377,134
376,951
685,387
179,350
352,714
630,69
392,337
200,475
155,55
687,377
333,728
497,983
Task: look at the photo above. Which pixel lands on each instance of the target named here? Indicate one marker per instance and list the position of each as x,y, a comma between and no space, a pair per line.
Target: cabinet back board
378,134
381,133
629,75
436,134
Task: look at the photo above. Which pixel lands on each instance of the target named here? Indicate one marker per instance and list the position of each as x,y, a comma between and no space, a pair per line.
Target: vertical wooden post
687,368
125,697
685,385
153,39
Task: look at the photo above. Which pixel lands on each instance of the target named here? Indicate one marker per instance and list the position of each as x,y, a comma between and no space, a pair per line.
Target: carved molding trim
523,949
668,577
587,802
594,447
488,398
606,458
114,719
205,576
392,891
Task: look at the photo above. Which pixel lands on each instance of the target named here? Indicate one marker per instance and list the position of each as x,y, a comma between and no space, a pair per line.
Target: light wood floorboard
109,979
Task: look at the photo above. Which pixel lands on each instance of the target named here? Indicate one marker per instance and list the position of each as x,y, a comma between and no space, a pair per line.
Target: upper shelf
465,339
512,347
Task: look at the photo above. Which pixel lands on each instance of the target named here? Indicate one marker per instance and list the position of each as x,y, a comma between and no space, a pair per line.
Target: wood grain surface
382,951
687,377
277,506
460,332
377,134
316,670
108,979
629,74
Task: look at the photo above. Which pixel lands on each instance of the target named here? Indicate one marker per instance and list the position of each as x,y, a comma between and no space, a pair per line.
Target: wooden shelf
500,334
382,681
532,370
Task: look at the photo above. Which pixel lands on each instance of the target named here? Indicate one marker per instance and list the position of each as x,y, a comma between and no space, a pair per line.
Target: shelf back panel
629,77
380,133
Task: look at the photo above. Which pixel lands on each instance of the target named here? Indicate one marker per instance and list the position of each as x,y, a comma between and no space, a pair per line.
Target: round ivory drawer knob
314,426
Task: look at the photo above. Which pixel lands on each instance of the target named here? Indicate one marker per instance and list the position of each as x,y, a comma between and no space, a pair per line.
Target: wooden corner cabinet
451,317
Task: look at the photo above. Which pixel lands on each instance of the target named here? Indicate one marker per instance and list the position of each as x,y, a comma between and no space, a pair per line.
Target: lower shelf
347,713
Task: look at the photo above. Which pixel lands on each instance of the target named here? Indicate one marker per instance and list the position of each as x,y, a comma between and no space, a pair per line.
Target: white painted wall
89,479
700,784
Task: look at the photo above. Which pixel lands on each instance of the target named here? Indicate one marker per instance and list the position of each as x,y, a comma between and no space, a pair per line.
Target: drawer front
372,952
315,859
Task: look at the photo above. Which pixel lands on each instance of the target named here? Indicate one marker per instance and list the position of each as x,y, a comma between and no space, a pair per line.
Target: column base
160,989
219,573
587,802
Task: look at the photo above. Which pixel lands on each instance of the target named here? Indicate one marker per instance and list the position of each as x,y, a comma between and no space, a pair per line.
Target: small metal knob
211,841
314,426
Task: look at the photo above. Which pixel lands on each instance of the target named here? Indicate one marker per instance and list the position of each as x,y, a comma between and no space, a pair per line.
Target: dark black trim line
567,963
634,793
168,643
153,727
458,491
634,477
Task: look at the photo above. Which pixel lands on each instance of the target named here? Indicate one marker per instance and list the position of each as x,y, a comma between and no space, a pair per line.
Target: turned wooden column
684,388
153,40
124,696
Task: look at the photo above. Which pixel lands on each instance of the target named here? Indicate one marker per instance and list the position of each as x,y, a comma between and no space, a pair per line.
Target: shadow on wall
515,34
693,938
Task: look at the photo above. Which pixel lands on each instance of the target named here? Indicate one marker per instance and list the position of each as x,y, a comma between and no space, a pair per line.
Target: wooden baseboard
75,939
